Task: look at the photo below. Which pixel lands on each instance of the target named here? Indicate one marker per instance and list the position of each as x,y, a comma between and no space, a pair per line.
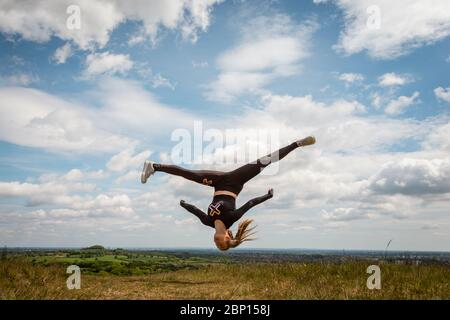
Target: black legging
229,181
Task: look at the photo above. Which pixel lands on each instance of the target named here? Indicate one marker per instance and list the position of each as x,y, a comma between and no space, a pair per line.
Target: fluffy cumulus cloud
348,177
350,174
107,63
67,204
74,175
379,27
305,109
442,93
126,159
342,214
126,112
71,200
62,53
351,77
413,177
340,125
52,19
40,193
438,138
136,111
270,48
44,121
73,203
392,79
399,105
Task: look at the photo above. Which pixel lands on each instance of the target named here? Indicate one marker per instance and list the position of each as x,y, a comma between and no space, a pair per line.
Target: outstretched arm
204,218
251,203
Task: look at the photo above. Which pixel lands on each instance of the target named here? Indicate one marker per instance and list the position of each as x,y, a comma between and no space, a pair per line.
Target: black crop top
223,208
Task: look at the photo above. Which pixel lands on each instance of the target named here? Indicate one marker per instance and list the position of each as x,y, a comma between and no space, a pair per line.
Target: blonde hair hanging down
243,233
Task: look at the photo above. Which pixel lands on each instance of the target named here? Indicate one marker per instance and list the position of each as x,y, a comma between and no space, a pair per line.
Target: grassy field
39,278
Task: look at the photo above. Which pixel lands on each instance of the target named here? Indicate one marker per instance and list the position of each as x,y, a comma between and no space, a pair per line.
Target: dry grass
22,280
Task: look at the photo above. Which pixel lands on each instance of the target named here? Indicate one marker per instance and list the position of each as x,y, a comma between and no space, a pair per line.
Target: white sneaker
147,171
306,141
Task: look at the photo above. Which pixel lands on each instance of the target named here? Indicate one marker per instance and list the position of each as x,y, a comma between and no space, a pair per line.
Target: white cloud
62,53
393,206
393,79
130,176
417,177
49,19
264,54
351,77
376,100
342,214
59,192
52,192
159,81
19,79
399,105
442,93
127,160
198,19
77,175
334,180
36,119
230,85
438,138
71,176
138,226
340,126
107,63
309,112
136,111
102,206
136,39
404,25
104,201
270,48
326,174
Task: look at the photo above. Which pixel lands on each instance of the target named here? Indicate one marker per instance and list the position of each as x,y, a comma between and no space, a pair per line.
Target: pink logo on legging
207,182
214,208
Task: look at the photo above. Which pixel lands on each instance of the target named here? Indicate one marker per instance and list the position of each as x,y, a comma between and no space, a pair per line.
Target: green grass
22,279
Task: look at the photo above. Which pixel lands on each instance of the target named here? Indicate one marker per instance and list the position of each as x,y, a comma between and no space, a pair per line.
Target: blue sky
82,109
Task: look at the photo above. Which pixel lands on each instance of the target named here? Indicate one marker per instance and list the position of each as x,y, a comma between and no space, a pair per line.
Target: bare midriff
225,193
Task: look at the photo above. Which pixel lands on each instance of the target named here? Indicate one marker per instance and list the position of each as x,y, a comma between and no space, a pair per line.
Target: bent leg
206,177
250,170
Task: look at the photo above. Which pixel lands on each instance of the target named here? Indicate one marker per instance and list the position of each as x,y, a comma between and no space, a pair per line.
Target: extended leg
237,214
204,218
250,170
206,177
